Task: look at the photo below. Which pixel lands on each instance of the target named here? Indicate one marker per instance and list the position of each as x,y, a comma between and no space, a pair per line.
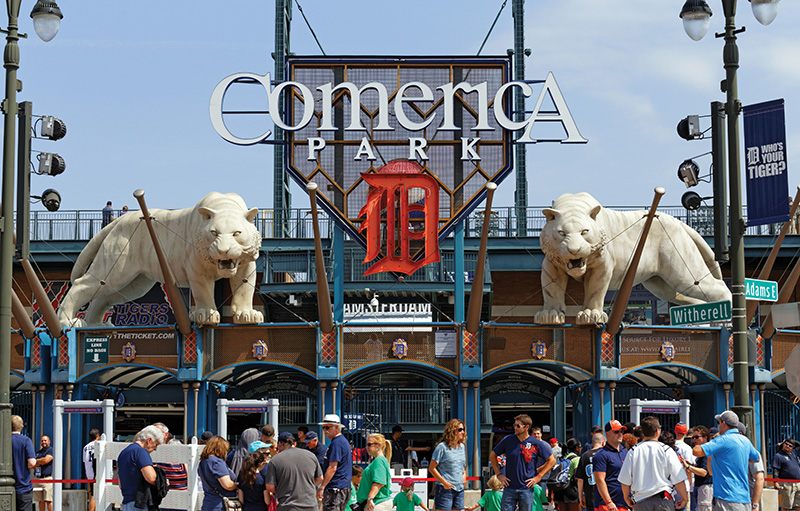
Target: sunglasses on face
326,428
519,425
370,444
460,430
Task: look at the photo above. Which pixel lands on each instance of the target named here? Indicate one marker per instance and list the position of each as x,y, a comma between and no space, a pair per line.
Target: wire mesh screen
698,348
294,345
17,352
506,344
782,345
379,107
368,344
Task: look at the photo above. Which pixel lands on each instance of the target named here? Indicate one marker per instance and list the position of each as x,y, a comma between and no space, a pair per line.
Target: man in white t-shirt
89,465
650,472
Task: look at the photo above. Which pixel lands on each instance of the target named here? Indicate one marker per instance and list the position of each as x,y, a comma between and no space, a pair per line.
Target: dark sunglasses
460,430
370,444
326,428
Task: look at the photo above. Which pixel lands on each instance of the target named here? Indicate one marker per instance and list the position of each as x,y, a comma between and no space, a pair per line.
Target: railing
299,267
82,225
400,406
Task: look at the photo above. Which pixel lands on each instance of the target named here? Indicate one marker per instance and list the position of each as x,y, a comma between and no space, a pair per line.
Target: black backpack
559,479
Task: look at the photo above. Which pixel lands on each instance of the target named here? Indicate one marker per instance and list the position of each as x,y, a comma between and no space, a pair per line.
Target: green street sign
95,350
701,313
764,290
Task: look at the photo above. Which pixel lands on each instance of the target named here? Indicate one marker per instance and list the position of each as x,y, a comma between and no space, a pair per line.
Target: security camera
51,199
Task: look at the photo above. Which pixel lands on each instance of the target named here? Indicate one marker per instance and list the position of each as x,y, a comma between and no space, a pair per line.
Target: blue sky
132,80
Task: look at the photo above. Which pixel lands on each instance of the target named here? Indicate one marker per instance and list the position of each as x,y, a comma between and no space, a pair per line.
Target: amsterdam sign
346,118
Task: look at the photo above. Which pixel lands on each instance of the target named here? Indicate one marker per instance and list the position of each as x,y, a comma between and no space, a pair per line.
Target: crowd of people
624,467
630,467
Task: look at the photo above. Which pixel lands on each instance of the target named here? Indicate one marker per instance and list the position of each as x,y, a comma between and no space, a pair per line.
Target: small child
539,498
355,480
407,500
490,500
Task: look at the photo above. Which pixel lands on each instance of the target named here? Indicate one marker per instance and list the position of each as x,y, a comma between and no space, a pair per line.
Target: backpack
559,479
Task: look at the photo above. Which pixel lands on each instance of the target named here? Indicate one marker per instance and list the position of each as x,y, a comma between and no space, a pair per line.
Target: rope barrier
65,481
421,479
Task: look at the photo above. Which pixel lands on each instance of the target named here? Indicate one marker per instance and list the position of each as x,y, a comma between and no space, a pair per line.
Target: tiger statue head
572,238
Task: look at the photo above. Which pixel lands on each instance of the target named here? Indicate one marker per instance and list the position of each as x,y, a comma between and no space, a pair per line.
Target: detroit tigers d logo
402,210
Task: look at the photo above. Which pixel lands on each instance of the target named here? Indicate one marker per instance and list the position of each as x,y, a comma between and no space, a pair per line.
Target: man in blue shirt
135,466
729,454
528,460
787,466
108,215
44,470
23,460
337,466
606,466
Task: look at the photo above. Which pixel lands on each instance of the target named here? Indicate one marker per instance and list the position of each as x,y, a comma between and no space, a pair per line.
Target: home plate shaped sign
347,119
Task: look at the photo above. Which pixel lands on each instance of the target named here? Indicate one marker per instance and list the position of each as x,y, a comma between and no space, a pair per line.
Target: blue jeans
131,506
513,499
448,500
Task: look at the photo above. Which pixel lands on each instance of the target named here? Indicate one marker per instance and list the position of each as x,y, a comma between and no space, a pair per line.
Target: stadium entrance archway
295,389
671,382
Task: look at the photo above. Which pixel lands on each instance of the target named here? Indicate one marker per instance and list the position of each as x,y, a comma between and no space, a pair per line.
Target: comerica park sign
348,120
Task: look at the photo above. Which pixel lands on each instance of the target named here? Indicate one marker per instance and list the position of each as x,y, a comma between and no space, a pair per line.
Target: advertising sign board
767,171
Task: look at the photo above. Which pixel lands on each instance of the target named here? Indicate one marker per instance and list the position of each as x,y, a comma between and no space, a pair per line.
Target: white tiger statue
590,243
215,239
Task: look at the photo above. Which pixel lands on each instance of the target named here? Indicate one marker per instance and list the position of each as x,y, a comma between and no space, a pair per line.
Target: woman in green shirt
375,492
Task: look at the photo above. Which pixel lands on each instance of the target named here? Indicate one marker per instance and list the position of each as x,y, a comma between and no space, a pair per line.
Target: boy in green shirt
490,500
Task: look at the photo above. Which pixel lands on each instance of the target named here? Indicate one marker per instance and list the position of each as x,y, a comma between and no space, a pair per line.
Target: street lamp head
46,19
765,10
695,15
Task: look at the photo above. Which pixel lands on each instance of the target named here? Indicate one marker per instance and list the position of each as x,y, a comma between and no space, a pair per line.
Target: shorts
24,501
603,507
705,496
47,494
724,505
448,500
335,499
790,495
568,496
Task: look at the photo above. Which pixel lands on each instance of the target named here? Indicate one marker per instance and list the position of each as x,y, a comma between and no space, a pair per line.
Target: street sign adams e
348,117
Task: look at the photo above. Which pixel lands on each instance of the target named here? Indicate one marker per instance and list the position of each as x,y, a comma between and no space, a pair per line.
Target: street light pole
10,108
733,107
695,15
46,18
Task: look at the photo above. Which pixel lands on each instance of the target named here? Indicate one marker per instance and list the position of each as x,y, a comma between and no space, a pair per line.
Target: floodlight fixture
688,172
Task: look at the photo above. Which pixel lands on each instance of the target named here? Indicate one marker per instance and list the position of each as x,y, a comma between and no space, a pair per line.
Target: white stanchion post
58,446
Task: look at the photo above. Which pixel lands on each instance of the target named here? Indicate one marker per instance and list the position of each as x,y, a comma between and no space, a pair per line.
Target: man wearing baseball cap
337,465
730,453
607,464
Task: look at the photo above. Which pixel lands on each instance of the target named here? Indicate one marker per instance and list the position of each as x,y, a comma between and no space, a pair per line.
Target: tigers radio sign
349,118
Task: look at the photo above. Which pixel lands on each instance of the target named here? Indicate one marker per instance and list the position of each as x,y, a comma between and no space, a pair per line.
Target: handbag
231,504
358,506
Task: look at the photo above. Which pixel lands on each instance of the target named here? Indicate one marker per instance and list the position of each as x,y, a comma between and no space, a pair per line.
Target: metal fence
299,266
781,419
399,406
82,225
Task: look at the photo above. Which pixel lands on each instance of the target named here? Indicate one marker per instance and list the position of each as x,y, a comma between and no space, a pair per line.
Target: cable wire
300,8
